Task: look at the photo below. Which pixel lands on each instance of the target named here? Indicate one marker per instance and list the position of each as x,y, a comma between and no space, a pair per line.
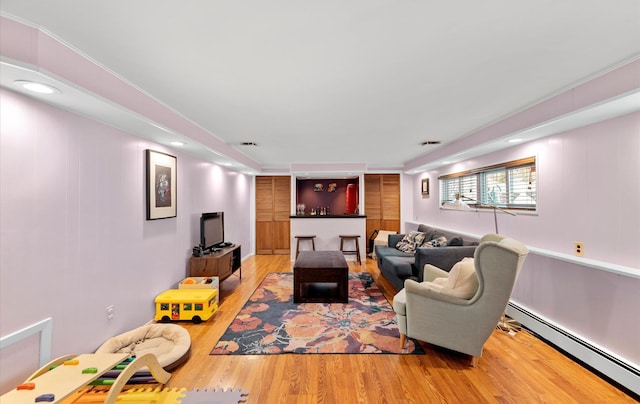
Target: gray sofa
396,265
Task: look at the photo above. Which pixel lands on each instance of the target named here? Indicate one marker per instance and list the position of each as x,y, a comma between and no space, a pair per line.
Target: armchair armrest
441,257
415,288
432,272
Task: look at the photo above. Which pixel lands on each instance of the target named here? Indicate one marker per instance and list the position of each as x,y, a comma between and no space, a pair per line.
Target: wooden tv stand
221,263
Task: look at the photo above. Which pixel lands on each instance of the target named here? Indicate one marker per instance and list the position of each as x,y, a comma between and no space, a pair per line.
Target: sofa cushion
402,266
397,269
462,281
411,241
383,252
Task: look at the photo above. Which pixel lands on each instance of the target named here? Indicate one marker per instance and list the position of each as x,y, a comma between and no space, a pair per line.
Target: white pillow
462,281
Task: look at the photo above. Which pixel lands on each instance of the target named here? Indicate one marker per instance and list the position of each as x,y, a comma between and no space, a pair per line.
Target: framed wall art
425,186
161,185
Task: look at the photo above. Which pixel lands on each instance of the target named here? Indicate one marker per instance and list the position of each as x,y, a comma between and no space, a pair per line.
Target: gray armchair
436,313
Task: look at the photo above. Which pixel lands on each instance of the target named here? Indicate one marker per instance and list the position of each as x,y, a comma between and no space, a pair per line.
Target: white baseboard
621,372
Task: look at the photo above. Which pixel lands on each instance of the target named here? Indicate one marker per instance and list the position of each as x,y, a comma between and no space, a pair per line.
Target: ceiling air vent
248,144
430,142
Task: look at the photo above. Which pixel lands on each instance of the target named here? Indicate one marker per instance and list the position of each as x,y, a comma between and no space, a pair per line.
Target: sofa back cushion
429,232
432,233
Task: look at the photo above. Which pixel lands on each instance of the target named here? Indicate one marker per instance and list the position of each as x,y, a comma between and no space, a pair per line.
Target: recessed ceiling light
226,164
36,87
177,143
514,140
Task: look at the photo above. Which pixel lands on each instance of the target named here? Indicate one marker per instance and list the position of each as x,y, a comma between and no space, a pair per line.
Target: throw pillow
455,241
436,242
462,281
410,241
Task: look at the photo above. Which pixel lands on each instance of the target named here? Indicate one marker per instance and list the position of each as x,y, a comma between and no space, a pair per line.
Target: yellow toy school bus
195,305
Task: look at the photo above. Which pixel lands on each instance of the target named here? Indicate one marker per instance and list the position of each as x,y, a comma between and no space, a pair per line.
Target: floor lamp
459,204
505,324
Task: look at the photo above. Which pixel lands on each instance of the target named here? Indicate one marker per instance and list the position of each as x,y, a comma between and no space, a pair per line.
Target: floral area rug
270,323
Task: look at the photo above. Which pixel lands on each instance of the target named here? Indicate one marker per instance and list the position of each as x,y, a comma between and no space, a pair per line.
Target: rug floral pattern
270,323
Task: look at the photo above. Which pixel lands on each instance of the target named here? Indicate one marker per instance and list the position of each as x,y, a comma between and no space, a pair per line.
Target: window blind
510,185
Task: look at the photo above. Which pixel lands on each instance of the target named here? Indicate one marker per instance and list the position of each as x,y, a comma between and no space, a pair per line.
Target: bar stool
310,237
354,238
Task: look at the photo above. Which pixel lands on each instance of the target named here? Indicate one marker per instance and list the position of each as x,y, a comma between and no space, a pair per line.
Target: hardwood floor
513,369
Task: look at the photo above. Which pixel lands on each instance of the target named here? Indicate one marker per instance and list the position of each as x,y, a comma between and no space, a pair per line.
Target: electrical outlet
579,248
110,312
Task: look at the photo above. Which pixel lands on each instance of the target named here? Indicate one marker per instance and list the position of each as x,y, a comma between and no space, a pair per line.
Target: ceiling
360,81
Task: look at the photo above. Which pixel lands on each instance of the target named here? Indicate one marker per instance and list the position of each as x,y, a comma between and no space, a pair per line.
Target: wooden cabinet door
281,213
273,208
203,266
372,205
390,202
382,202
218,264
224,265
264,238
264,215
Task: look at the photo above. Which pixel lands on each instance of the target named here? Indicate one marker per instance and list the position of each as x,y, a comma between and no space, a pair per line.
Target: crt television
211,230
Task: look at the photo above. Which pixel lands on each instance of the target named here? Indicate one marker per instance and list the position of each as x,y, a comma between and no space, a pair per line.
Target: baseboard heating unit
600,361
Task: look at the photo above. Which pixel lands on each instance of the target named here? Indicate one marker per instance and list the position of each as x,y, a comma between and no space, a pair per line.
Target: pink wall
73,234
34,47
589,191
588,181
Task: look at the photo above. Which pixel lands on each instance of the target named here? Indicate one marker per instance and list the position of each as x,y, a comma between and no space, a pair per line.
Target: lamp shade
458,204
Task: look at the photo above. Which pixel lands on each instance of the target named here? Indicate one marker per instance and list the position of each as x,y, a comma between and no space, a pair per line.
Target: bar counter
327,228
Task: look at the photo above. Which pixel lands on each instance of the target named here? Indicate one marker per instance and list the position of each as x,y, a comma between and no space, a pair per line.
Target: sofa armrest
394,239
442,257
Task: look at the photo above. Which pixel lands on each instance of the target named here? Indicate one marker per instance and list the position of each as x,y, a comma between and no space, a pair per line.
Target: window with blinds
510,185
